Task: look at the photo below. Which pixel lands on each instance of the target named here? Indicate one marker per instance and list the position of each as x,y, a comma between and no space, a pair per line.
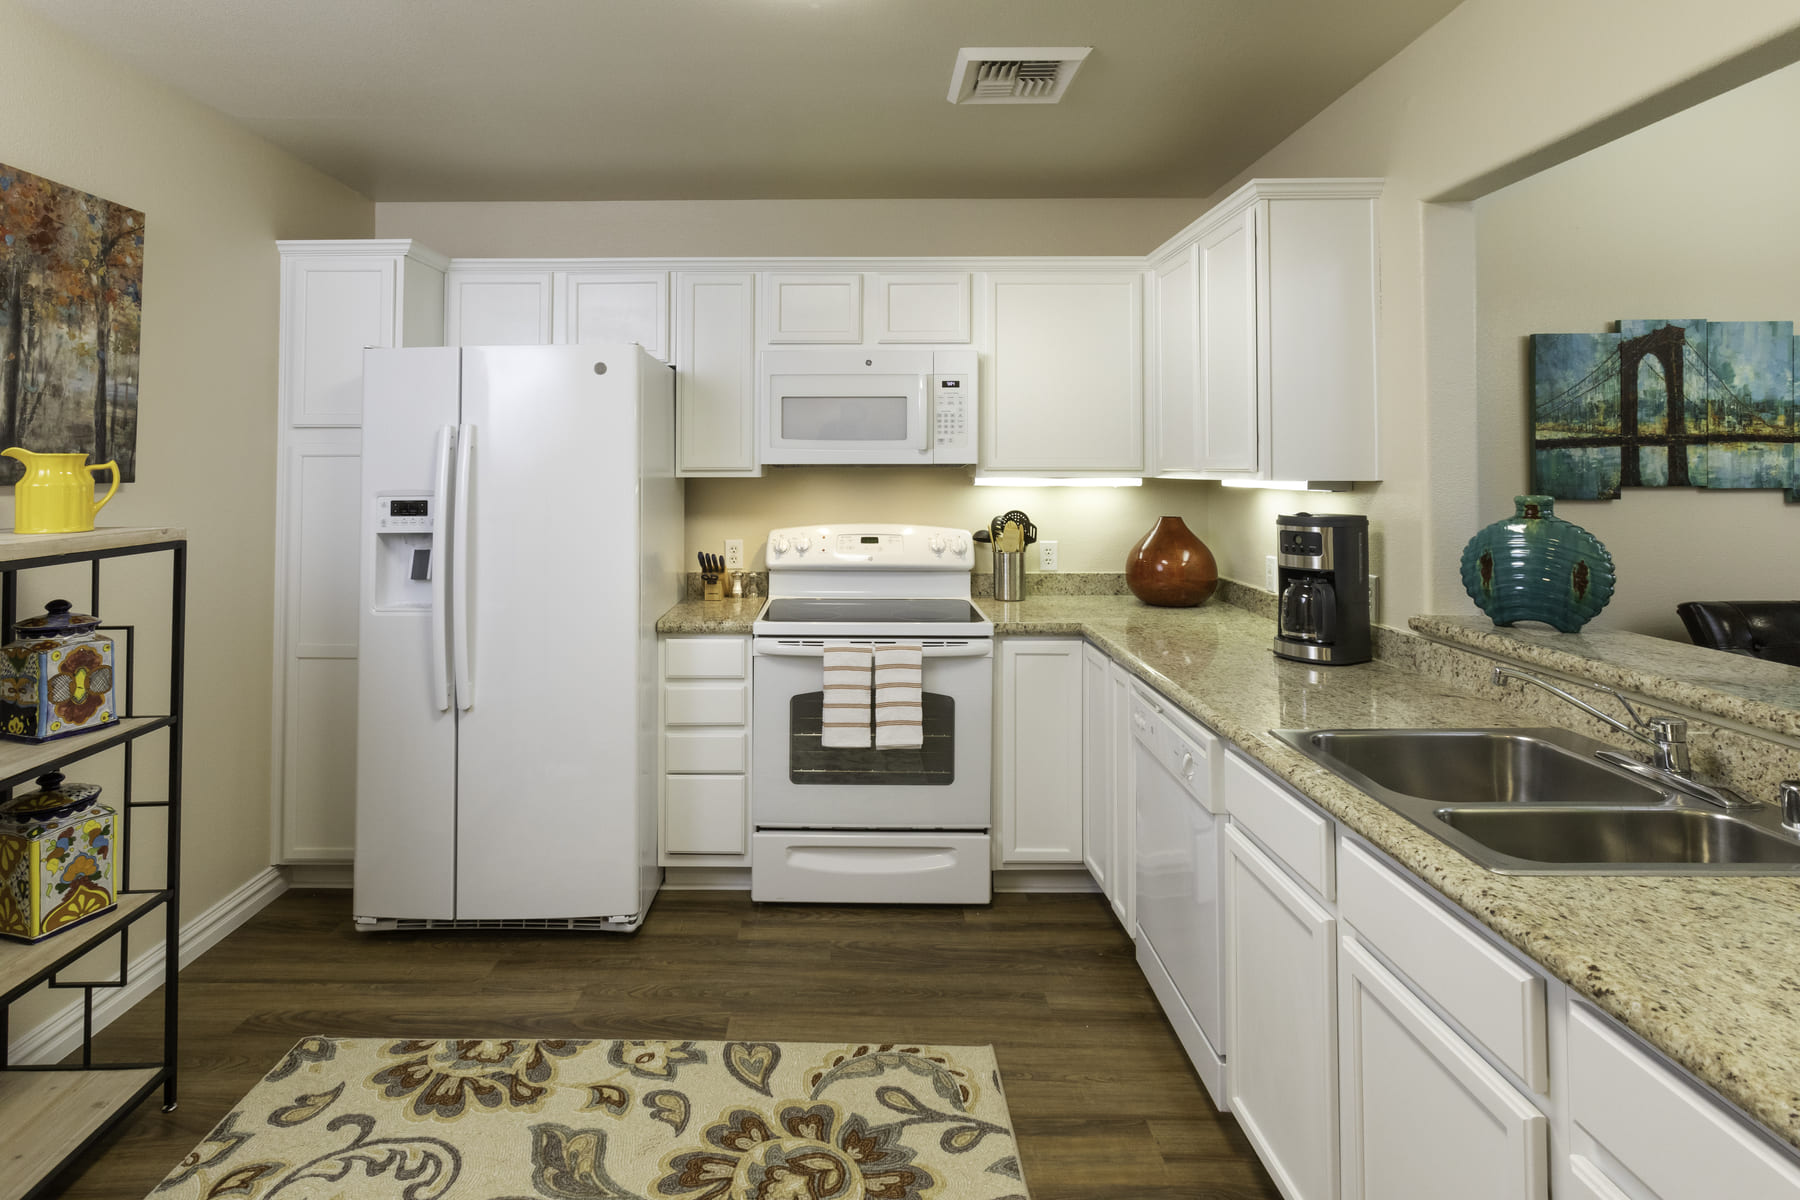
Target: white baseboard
706,879
59,1035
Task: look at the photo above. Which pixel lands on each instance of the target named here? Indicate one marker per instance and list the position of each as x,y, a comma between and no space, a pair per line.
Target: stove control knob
779,545
803,544
936,543
959,545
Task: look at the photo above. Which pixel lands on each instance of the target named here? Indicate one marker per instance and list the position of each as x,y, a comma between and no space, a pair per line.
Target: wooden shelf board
15,547
23,963
22,760
48,1115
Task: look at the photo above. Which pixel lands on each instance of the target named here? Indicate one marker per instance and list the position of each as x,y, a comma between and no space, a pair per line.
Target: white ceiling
734,99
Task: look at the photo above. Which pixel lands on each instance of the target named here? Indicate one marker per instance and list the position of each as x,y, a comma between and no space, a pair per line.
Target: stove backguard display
931,765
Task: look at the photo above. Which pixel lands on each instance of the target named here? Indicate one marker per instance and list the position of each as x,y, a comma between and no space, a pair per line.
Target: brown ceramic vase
1171,567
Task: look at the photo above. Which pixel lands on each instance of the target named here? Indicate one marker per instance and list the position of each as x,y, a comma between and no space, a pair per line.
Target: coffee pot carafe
1322,581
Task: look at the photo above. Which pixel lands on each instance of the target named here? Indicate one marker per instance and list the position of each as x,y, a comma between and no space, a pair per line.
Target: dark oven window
931,765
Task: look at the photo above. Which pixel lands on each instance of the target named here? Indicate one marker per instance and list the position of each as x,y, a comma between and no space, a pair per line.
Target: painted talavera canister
57,859
56,676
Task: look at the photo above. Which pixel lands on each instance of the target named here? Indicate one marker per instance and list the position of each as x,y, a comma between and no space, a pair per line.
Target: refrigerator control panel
404,514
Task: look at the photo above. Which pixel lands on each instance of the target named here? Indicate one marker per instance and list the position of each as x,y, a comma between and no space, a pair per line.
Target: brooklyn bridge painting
1675,403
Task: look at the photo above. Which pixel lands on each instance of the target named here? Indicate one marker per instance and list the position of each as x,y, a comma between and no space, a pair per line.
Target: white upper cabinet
338,298
715,384
812,308
1064,390
925,306
1176,447
1269,304
498,308
1227,408
614,306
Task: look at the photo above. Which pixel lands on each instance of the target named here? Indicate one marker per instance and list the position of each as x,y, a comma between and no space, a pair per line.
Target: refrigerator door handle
459,563
441,695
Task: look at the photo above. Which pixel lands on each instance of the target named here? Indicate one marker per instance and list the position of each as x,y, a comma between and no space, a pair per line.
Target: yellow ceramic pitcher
57,493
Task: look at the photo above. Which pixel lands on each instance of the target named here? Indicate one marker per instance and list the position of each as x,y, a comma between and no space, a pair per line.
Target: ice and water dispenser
405,550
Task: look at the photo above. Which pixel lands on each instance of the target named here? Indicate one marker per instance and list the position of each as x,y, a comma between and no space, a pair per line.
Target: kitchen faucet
1667,740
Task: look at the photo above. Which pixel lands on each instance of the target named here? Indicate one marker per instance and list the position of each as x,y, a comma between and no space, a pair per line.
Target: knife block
718,588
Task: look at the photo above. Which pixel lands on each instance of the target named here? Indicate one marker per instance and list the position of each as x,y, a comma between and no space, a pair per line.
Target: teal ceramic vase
1536,566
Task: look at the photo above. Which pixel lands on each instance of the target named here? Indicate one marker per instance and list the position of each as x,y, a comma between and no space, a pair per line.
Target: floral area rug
605,1120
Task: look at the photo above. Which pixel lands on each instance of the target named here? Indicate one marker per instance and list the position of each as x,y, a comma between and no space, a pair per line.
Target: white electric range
871,825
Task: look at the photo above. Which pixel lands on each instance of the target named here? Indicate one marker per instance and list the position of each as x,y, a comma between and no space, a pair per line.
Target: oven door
796,783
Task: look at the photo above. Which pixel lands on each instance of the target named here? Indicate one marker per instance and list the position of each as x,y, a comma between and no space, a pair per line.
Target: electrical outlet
1374,599
1047,556
734,554
1269,575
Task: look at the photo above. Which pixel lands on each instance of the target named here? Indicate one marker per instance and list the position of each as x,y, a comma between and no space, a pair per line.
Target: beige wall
781,228
1093,527
1693,216
214,200
1496,91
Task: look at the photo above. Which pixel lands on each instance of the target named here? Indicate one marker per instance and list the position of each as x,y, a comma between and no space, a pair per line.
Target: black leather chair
1760,628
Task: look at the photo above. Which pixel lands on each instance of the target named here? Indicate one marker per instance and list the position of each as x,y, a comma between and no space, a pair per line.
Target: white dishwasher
1179,926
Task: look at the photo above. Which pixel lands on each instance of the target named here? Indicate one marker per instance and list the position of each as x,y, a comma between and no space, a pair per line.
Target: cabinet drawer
704,814
704,752
1662,1128
1589,1182
704,658
1299,837
705,704
1499,1002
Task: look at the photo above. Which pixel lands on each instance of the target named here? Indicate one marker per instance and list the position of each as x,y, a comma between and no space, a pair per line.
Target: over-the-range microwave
835,406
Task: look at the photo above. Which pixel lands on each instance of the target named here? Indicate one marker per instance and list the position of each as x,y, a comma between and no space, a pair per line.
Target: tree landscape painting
71,295
1665,403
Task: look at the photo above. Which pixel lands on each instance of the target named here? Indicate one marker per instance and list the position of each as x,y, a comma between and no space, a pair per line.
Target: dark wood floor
1103,1099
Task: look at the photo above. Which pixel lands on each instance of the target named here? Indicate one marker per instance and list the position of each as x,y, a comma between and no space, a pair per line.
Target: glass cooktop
870,610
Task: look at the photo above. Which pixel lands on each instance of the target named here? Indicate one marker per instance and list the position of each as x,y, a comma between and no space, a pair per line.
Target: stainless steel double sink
1538,802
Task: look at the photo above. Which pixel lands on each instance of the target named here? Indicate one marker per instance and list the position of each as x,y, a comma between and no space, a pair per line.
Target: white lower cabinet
1107,792
1038,760
705,751
1670,1141
1281,1008
1424,1117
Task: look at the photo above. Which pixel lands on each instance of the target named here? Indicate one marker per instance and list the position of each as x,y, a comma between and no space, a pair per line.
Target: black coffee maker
1322,584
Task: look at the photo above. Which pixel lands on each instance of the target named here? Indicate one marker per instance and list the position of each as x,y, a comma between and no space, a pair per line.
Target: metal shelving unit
51,1114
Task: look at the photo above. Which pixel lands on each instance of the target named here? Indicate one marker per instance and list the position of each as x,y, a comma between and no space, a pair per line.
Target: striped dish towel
844,720
899,695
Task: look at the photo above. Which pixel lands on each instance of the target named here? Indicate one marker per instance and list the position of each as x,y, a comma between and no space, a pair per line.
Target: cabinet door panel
1124,808
1178,445
1040,750
618,306
335,307
705,814
1066,376
715,389
923,307
1228,359
323,515
496,309
1281,1059
812,308
1098,799
1424,1116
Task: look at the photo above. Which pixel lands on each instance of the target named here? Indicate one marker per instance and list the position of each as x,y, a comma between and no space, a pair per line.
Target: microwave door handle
441,695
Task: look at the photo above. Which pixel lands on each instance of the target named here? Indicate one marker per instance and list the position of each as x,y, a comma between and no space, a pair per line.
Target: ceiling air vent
1014,75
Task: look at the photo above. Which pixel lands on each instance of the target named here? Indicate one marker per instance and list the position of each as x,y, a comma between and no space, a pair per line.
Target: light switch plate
734,554
1269,575
1047,556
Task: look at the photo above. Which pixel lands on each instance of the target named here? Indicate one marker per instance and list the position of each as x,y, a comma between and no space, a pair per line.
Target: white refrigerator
521,533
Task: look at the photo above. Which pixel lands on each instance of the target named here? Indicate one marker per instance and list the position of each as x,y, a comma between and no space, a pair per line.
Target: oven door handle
794,648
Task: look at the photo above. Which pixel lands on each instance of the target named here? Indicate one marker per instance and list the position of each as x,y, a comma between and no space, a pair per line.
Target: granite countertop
1687,963
1734,686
